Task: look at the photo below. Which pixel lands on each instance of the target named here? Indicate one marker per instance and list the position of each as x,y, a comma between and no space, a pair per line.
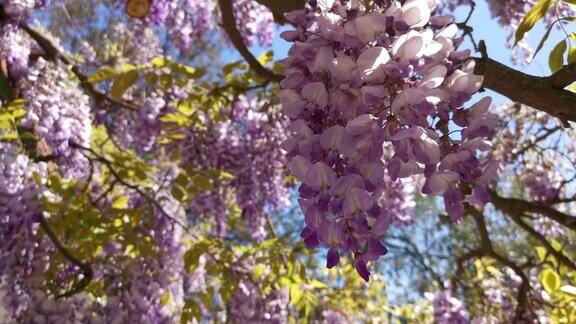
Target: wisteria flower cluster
255,22
146,289
248,147
357,78
190,20
59,113
448,309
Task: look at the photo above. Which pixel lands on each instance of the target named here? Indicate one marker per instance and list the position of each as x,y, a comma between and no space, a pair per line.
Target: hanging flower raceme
246,147
189,20
14,48
59,113
255,22
448,309
148,289
23,255
359,78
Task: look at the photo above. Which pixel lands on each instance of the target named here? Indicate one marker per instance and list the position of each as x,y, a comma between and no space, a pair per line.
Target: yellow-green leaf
266,57
120,203
295,293
532,16
550,280
571,54
160,61
175,118
190,312
556,59
569,290
257,272
541,251
165,299
123,82
203,183
118,222
103,74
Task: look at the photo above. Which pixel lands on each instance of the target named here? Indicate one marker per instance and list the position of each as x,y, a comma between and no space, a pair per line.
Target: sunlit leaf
123,82
120,203
548,30
190,312
103,74
550,280
569,290
556,59
537,12
266,57
541,252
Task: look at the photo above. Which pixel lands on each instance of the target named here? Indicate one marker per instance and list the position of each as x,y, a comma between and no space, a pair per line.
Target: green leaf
266,57
545,37
257,272
542,41
192,256
160,61
571,54
556,59
550,280
203,183
541,251
123,82
178,193
229,68
568,290
120,203
175,118
295,293
165,299
535,13
103,74
190,312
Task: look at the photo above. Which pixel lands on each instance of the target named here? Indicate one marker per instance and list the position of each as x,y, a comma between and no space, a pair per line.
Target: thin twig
229,25
86,269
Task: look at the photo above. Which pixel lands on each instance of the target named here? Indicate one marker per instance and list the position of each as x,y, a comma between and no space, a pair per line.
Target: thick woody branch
54,54
542,93
520,207
565,76
229,25
517,218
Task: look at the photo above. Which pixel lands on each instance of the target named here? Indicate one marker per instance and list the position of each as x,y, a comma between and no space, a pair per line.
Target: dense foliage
146,176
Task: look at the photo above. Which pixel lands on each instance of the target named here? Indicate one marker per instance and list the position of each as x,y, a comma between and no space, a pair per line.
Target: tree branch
516,216
488,247
229,25
538,92
565,76
54,54
86,269
520,206
460,266
559,255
